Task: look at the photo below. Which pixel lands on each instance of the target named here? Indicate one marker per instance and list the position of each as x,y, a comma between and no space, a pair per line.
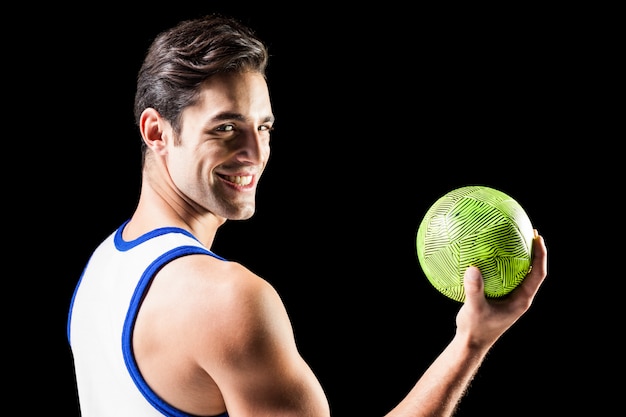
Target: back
101,319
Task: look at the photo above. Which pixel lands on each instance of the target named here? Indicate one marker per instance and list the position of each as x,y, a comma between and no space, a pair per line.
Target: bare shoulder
226,284
201,319
213,333
207,299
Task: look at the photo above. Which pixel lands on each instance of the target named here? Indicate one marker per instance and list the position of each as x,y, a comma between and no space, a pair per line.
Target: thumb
473,284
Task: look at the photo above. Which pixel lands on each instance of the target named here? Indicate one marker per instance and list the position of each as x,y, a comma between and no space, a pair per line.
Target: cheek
183,166
266,152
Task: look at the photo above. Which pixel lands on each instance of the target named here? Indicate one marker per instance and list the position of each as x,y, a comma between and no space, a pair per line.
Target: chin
242,214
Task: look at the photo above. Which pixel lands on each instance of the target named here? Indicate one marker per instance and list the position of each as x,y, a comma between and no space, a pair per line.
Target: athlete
161,325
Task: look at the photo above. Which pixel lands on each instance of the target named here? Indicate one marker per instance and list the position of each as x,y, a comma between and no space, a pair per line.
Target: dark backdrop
380,110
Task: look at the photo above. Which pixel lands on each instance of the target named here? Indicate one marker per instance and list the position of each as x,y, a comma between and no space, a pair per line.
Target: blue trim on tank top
131,316
125,245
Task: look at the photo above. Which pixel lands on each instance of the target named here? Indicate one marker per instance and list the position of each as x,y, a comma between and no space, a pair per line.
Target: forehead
245,92
232,96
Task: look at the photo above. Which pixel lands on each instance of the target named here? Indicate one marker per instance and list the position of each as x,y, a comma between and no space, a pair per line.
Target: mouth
238,179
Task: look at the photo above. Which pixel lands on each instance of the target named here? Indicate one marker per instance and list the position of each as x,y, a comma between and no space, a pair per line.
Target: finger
531,283
473,284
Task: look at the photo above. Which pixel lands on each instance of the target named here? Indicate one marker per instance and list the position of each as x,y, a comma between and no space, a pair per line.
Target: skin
212,336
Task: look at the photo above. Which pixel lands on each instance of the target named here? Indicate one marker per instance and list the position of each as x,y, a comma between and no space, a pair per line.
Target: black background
380,110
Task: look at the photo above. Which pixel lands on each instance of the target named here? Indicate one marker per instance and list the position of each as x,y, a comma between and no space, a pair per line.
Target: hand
484,320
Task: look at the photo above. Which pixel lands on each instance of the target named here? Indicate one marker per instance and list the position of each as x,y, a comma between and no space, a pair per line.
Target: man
159,324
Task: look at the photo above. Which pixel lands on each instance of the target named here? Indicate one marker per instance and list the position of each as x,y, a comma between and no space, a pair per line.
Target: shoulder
203,280
225,283
215,302
220,325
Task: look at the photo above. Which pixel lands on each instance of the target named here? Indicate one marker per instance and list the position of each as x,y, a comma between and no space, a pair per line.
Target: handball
475,226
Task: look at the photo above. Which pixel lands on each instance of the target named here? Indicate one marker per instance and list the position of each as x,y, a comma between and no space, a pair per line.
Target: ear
153,130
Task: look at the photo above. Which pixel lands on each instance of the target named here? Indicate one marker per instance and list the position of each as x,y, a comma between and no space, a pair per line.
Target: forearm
440,389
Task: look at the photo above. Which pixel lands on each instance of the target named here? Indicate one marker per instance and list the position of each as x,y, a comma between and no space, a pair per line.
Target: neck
155,210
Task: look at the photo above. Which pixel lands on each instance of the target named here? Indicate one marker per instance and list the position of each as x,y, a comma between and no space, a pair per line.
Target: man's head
182,58
204,112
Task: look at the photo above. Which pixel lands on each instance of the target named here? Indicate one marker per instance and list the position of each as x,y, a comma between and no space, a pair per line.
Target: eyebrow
239,117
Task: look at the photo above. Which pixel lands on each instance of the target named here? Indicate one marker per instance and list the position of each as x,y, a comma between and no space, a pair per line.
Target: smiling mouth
239,179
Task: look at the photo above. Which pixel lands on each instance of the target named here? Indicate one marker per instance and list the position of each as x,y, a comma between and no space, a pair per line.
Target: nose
253,146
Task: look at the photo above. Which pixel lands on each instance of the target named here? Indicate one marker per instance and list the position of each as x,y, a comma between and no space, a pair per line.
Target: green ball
475,226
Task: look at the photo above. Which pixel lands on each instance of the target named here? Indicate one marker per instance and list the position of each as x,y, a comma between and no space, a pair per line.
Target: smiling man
161,325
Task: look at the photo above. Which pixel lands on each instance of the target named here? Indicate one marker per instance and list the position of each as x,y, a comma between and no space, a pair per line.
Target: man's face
224,146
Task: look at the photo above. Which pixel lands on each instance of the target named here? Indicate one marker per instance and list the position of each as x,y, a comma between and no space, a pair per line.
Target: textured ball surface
479,226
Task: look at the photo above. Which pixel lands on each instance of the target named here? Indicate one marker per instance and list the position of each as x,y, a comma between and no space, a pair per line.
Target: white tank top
101,319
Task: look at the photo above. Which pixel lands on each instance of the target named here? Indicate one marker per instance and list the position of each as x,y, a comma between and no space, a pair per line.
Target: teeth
239,180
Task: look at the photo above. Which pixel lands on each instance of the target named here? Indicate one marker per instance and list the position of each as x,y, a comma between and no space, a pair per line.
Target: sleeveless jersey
101,317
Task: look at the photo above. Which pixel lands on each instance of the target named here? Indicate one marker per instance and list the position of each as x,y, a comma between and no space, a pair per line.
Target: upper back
102,317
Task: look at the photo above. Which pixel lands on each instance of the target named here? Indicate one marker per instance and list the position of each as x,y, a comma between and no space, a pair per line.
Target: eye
225,128
266,128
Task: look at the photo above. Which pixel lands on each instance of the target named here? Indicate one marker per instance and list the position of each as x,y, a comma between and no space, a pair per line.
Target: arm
259,369
254,360
480,323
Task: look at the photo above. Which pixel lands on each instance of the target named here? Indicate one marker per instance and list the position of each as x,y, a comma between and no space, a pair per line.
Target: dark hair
180,59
